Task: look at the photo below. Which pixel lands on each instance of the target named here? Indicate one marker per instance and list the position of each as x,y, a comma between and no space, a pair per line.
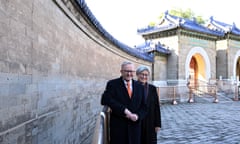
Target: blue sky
122,18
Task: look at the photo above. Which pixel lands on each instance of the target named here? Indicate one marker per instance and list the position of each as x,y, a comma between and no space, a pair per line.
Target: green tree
188,14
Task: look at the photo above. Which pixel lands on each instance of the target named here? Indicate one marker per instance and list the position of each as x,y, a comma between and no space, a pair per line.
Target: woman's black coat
153,117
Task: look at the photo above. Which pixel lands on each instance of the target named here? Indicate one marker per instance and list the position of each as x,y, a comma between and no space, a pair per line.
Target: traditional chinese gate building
198,53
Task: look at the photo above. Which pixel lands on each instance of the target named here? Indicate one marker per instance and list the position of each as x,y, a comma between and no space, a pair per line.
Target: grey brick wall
51,74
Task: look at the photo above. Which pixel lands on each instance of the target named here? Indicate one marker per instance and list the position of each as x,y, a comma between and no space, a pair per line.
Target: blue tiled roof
235,30
152,29
149,46
83,6
175,21
161,49
227,28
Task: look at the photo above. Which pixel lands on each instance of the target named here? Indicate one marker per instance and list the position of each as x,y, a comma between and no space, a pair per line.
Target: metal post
174,96
190,100
236,93
215,95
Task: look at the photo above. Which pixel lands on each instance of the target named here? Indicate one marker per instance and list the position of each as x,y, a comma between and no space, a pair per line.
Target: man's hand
134,117
127,112
157,129
131,115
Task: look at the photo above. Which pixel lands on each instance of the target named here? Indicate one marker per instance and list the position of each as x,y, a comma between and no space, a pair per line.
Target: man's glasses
128,71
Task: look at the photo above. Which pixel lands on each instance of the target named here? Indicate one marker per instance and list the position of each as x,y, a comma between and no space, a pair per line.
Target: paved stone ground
201,122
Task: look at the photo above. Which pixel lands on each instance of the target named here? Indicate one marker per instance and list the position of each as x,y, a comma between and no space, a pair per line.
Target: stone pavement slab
200,123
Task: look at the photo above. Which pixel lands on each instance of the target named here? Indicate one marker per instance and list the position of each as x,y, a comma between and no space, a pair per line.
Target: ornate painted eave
198,35
159,34
180,31
82,6
233,37
170,22
224,27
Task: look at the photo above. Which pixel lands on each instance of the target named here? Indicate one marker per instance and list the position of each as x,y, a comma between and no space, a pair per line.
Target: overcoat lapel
124,90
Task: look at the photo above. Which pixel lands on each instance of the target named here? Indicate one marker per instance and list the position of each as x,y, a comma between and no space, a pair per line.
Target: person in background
151,124
127,106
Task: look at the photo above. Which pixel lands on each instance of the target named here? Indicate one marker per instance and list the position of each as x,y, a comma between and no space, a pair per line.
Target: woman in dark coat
151,124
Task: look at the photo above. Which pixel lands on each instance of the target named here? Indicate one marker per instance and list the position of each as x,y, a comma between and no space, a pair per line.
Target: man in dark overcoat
127,110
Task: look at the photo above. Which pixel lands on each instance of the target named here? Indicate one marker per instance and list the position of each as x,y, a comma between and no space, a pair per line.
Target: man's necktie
129,89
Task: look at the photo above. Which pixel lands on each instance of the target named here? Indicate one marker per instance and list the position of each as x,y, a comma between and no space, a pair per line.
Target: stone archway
236,66
197,68
238,69
197,65
193,71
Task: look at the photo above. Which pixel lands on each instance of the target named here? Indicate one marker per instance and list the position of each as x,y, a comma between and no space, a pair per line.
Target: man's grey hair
141,69
126,63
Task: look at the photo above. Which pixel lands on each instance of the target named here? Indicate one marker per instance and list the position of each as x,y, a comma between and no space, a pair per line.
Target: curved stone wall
54,64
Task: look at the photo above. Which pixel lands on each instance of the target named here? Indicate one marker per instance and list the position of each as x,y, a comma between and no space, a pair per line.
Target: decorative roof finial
234,25
166,12
211,18
194,20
